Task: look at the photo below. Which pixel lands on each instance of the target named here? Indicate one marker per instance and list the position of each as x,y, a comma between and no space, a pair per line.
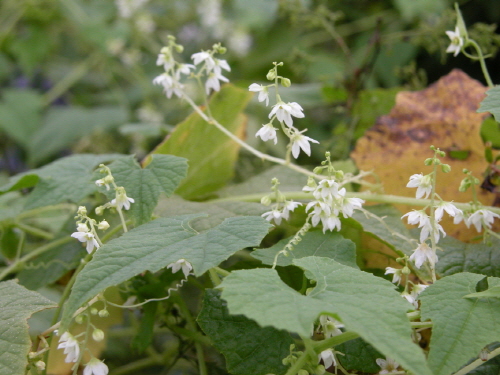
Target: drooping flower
397,274
422,183
326,188
328,358
267,132
300,141
87,238
219,65
213,82
181,264
457,41
262,90
275,215
351,204
387,366
289,207
330,222
95,367
122,201
170,85
330,326
101,182
449,208
423,253
203,56
70,346
480,218
284,112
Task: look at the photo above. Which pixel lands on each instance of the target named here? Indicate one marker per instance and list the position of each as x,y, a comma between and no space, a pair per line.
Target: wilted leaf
443,115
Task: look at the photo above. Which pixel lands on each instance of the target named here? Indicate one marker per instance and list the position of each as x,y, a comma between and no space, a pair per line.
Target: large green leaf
153,246
20,114
459,256
67,179
491,103
63,126
329,245
163,174
211,154
17,304
217,211
387,227
359,355
248,348
461,326
366,304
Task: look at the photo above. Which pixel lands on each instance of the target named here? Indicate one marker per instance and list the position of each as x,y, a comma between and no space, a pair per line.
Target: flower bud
103,225
32,355
99,210
266,200
320,370
405,270
104,313
82,210
179,48
285,82
40,365
428,161
302,372
271,76
98,335
445,168
94,311
79,319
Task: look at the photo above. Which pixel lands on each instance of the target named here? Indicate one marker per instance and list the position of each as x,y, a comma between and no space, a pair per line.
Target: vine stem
246,146
13,267
482,62
478,362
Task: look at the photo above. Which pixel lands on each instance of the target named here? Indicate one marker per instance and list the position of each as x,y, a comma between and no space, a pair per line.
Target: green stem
37,211
113,231
243,144
214,277
35,231
122,219
478,362
421,324
301,361
482,62
192,326
319,346
14,266
221,271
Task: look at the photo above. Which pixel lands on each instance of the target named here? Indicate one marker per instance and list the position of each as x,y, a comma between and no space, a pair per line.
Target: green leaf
491,103
17,304
206,147
461,326
20,114
217,211
489,293
490,132
248,348
330,245
388,228
466,257
366,304
63,126
163,174
359,355
145,332
67,179
153,246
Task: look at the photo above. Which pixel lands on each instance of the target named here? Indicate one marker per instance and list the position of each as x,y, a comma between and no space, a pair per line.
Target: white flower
82,227
103,225
480,218
289,207
95,367
165,58
422,253
203,56
388,365
397,274
330,326
70,346
328,358
170,85
267,132
427,230
417,217
422,183
213,82
300,141
101,182
456,42
450,210
320,209
351,204
275,215
284,112
181,264
220,64
410,299
122,201
325,189
330,222
262,90
88,238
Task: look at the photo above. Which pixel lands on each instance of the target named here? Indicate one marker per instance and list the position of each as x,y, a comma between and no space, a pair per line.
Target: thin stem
482,62
34,231
243,144
478,362
122,219
14,266
319,346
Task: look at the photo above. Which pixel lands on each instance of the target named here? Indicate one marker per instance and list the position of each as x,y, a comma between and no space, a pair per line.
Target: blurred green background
76,75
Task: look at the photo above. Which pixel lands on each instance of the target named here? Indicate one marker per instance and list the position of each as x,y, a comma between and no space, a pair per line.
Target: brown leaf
443,115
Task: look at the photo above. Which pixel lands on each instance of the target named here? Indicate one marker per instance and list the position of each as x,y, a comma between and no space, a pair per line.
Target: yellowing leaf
443,115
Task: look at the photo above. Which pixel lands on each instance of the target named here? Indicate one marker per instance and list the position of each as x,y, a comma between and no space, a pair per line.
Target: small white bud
98,335
104,313
40,365
103,225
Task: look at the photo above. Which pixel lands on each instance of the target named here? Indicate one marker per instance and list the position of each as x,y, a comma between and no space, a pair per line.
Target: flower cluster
282,207
210,66
85,230
330,201
284,113
72,350
121,201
